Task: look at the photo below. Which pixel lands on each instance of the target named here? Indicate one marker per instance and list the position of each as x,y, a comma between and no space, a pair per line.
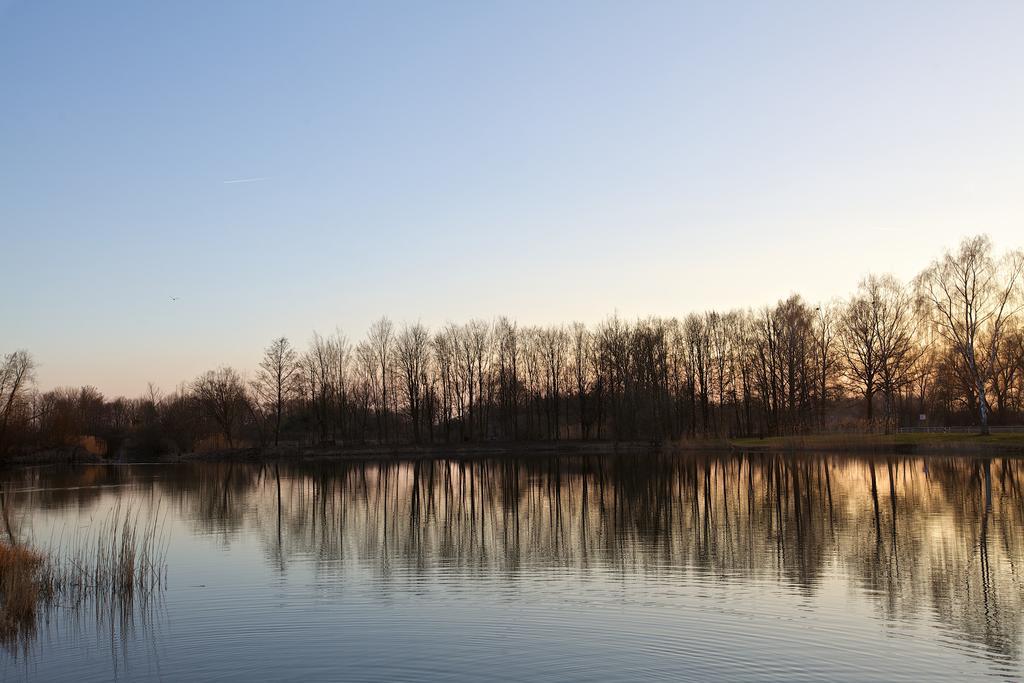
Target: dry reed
122,563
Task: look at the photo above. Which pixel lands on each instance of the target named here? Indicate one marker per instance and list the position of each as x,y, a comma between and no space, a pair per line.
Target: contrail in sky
243,180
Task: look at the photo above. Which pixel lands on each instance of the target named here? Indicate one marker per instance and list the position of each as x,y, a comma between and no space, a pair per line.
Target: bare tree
461,340
859,342
971,297
381,340
277,380
554,342
1006,376
898,348
17,376
368,385
826,358
581,353
221,395
443,363
482,338
318,379
413,351
509,352
341,355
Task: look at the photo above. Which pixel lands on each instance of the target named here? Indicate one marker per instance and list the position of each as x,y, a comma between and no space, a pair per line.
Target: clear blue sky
440,161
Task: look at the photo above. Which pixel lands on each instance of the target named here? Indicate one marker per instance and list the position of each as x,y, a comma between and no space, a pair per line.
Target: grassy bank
412,452
933,443
919,443
1004,444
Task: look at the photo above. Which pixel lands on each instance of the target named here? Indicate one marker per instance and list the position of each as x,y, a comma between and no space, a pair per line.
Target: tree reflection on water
917,535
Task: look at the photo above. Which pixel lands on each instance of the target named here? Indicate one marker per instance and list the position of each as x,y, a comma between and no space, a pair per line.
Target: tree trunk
982,406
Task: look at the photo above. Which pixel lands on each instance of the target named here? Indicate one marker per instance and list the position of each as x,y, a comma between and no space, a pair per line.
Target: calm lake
542,568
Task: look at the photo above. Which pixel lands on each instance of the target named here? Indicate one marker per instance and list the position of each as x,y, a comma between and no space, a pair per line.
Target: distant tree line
949,345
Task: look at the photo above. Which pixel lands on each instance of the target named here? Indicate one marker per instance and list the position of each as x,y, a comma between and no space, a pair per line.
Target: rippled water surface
704,567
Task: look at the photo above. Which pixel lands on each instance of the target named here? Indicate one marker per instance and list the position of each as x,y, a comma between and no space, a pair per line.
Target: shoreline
421,452
914,443
936,443
860,444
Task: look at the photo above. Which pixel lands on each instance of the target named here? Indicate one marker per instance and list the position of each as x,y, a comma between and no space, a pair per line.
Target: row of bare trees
948,346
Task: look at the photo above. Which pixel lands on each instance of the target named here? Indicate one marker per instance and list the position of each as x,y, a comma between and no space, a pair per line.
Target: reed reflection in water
929,549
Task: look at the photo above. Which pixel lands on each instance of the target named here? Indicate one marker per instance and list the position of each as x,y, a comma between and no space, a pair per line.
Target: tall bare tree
17,376
971,297
478,333
508,341
898,346
826,358
221,395
381,339
277,380
581,353
413,352
859,341
444,365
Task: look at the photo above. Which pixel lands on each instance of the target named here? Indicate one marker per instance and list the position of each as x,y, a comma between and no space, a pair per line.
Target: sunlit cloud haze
285,167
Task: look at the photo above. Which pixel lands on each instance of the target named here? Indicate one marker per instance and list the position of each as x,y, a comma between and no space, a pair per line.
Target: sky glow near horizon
290,167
